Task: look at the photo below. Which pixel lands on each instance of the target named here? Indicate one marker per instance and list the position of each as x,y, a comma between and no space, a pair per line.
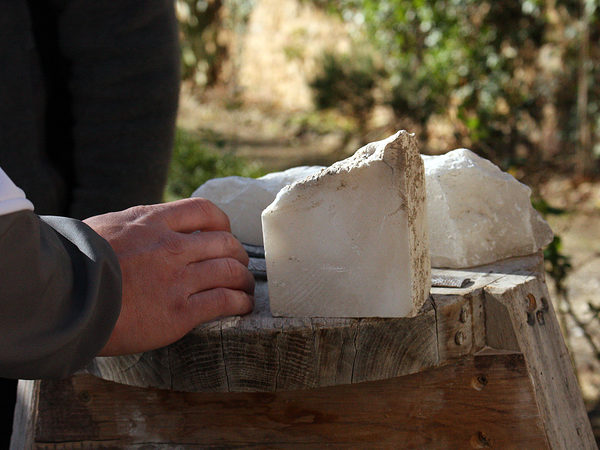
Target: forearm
60,287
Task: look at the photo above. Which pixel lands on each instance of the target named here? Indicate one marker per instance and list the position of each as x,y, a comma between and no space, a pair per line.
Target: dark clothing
88,99
61,295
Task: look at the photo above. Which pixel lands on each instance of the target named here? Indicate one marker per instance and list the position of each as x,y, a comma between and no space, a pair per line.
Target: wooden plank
482,276
476,402
500,333
262,353
537,334
478,320
505,318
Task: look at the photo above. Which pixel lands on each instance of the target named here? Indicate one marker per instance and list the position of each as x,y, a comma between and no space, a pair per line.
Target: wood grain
538,336
476,402
394,347
260,352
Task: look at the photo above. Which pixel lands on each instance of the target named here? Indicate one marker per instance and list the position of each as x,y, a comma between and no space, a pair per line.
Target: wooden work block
481,366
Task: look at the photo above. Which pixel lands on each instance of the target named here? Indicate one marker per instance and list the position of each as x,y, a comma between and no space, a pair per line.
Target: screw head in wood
531,303
540,317
480,440
459,338
84,396
479,382
530,318
463,314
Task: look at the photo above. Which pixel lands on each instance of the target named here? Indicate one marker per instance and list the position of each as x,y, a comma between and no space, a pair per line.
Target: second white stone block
478,214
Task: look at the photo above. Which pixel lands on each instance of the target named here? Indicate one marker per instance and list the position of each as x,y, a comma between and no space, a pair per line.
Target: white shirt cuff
12,199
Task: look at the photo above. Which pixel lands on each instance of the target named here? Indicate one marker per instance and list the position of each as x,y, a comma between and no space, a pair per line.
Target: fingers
215,273
194,214
174,278
222,287
220,302
214,245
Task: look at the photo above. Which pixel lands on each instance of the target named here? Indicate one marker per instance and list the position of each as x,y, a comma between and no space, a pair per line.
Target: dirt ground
279,140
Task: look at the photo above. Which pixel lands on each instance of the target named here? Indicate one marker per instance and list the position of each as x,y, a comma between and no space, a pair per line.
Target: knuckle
228,243
172,243
179,306
222,298
227,302
138,211
231,301
230,246
233,268
209,209
203,206
178,276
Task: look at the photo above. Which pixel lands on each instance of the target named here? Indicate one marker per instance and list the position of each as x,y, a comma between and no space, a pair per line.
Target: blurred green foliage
202,54
557,263
490,67
206,28
321,122
193,164
514,79
346,83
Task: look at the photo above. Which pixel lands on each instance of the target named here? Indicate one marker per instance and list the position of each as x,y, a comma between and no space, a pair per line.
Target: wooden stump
480,366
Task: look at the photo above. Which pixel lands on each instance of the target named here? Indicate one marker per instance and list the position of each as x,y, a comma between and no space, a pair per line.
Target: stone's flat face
351,240
243,199
478,214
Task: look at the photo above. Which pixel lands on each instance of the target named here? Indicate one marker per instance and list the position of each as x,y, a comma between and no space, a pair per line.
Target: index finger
194,214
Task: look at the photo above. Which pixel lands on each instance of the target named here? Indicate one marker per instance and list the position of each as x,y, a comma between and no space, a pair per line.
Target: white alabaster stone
351,240
243,199
478,214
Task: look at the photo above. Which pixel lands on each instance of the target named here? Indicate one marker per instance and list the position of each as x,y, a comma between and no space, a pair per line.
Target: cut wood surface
260,352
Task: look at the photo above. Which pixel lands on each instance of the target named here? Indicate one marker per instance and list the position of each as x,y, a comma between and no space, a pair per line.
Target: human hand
174,278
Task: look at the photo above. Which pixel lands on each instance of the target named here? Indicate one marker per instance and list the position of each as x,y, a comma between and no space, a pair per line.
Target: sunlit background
270,84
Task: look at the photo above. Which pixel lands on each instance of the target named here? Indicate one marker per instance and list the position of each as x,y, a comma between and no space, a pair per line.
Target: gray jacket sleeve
60,295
